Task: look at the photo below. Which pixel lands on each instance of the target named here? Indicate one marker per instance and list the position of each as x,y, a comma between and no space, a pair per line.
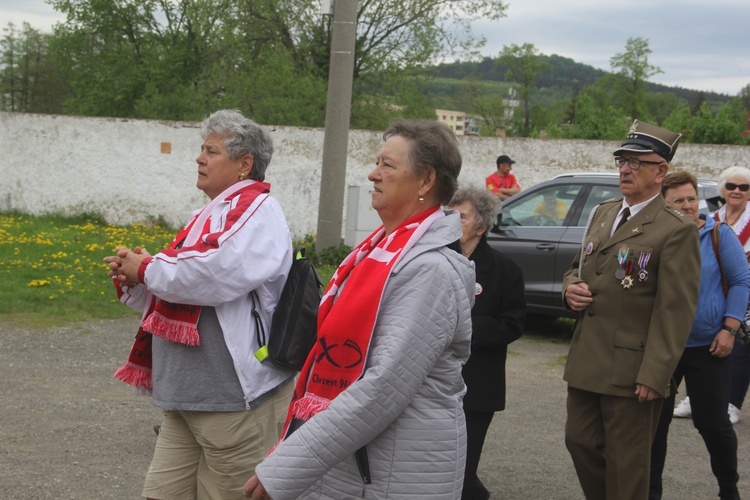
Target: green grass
51,268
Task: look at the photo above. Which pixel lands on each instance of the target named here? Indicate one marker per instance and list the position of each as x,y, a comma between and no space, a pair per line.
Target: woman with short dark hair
377,408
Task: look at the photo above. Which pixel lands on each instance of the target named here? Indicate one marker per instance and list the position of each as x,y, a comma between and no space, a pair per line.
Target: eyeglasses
678,202
731,186
633,163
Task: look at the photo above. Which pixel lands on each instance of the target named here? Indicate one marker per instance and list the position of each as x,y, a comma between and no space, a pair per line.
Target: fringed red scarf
346,320
179,322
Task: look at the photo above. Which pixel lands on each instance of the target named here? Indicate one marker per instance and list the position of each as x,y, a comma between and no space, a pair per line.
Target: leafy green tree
385,97
680,120
701,131
386,45
29,81
120,57
10,68
634,70
744,95
661,105
698,102
524,67
729,123
724,127
475,100
540,116
595,115
179,59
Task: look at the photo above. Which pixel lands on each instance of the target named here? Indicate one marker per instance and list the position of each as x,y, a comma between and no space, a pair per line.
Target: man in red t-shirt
502,183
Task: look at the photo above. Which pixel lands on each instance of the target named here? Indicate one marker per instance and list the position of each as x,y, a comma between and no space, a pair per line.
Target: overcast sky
699,45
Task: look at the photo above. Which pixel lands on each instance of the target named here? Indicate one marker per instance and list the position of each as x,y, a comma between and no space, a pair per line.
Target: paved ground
68,430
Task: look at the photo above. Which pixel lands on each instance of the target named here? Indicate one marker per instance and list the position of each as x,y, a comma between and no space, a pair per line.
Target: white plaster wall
112,166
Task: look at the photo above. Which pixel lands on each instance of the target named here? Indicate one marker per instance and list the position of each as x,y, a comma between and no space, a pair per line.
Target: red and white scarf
744,233
179,322
346,320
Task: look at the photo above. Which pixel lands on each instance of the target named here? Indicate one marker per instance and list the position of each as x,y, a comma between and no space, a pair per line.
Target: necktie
625,217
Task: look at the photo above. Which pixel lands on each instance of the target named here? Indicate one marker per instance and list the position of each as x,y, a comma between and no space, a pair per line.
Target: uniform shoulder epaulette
676,213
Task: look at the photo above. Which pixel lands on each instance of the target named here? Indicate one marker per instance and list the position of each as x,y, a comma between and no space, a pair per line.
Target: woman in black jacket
498,318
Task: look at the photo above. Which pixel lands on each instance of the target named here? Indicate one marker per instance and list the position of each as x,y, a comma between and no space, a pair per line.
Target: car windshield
545,207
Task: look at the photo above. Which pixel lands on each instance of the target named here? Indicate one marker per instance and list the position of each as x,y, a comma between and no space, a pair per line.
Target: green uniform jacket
634,335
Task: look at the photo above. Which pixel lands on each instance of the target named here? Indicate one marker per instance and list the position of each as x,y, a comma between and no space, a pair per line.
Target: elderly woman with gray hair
222,408
497,317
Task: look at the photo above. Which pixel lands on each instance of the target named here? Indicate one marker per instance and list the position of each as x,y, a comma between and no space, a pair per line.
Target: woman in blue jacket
706,363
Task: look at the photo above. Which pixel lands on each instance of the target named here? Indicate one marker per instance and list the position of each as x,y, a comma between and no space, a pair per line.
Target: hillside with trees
559,97
181,60
562,73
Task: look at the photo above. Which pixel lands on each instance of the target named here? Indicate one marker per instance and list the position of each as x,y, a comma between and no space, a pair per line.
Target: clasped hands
124,265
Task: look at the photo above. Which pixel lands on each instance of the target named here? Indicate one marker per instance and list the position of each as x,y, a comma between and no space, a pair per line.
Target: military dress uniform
644,283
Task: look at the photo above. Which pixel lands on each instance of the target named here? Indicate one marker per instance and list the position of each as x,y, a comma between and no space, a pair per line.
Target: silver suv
541,229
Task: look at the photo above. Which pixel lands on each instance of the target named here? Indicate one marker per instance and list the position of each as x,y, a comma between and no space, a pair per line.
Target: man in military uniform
634,287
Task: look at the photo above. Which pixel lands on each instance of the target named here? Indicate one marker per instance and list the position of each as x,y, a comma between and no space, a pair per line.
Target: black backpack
294,325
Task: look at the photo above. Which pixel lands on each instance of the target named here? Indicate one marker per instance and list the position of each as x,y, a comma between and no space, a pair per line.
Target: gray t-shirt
197,378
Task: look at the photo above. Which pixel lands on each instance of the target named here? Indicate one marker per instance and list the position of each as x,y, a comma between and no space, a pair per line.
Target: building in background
456,120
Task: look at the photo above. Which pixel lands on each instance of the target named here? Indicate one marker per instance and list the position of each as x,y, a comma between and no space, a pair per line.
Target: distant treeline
562,72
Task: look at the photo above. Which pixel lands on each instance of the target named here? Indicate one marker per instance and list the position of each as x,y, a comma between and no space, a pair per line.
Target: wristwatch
731,330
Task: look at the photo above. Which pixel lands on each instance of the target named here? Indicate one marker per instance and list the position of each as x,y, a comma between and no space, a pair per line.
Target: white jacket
255,253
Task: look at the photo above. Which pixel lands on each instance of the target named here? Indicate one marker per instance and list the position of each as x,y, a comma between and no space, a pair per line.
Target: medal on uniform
627,282
626,267
642,263
622,255
589,248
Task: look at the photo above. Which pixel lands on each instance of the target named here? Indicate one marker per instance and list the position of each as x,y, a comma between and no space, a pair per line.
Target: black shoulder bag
294,325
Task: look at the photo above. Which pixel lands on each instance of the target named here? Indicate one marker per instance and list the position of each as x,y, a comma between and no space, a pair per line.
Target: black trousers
477,423
707,379
740,373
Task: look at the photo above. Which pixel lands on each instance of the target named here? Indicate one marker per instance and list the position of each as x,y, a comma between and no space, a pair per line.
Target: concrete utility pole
338,111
